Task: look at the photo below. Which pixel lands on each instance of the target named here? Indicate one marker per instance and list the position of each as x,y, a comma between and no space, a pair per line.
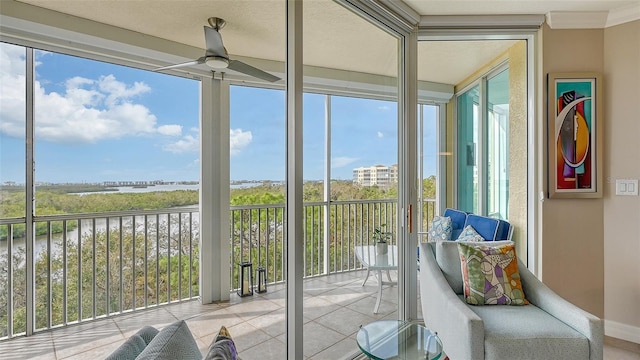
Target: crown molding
623,15
577,19
481,21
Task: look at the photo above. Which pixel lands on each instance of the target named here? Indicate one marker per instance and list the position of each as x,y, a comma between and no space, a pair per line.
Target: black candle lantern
245,279
262,279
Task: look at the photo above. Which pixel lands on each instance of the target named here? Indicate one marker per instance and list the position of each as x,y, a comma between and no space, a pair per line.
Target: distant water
152,188
135,189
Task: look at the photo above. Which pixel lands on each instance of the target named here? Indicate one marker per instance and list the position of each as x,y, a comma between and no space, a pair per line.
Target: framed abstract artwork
574,140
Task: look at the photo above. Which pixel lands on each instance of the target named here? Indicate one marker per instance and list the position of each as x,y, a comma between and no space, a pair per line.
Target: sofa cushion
458,218
470,234
490,275
129,349
485,226
440,229
528,332
448,260
173,342
134,345
147,333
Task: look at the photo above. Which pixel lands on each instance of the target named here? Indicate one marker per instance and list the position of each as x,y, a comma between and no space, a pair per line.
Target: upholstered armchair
548,328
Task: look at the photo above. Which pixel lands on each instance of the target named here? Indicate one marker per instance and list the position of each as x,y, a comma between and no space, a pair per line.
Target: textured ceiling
333,36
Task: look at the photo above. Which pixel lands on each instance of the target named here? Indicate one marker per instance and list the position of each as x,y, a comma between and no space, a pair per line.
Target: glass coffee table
396,339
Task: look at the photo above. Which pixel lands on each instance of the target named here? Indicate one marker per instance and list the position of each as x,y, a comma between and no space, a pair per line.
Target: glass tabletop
395,339
371,260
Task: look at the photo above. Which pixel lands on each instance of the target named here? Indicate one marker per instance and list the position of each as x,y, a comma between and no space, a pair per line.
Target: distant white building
377,175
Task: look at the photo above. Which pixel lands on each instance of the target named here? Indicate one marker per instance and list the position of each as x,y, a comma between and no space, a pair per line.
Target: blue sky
101,122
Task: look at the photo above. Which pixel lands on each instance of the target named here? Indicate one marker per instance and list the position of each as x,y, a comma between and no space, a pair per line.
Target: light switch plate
627,187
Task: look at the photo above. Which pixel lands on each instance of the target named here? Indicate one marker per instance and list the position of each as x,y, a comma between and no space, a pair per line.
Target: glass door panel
468,136
350,174
497,154
428,117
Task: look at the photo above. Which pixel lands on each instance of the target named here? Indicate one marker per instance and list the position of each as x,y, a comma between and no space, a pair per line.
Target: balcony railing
89,266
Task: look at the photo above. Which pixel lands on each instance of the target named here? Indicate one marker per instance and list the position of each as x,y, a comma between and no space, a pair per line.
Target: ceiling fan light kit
216,56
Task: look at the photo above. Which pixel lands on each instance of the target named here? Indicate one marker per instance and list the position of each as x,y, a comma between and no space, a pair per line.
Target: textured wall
621,154
571,244
518,145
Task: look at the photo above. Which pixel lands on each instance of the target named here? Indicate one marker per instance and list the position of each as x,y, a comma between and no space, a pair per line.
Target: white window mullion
481,161
441,160
30,192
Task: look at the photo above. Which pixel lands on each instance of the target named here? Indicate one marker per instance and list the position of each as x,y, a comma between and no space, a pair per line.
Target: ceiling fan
217,57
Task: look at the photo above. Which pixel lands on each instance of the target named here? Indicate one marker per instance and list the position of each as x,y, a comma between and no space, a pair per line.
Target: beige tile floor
334,308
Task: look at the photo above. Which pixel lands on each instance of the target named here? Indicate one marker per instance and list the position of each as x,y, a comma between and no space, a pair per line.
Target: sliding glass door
350,171
483,146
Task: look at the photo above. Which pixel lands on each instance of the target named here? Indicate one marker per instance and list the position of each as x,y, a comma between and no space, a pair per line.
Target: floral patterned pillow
470,234
490,275
441,228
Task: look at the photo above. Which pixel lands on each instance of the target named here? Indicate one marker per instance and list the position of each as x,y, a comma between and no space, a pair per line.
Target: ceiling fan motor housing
217,62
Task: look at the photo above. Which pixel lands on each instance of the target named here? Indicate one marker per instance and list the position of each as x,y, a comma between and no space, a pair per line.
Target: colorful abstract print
490,275
573,136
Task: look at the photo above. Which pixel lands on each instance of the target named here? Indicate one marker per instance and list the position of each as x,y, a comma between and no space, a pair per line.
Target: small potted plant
380,236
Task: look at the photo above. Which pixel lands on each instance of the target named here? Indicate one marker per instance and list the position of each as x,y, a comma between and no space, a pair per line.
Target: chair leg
388,276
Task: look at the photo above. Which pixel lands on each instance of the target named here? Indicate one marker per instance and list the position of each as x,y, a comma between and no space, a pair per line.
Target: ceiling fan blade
214,43
239,66
188,63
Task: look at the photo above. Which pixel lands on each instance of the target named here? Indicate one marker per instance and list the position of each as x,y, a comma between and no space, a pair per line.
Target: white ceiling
333,36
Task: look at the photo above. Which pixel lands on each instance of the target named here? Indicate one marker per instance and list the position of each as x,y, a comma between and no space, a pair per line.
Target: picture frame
574,135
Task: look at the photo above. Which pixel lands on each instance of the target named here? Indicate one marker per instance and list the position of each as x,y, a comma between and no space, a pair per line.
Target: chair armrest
546,299
460,329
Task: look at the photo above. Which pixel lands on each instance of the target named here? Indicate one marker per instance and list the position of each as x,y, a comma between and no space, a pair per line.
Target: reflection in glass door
428,117
498,145
483,146
468,139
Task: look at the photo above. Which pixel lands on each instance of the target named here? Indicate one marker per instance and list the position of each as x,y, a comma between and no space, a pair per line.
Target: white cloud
380,134
87,111
384,108
188,143
342,161
239,140
170,130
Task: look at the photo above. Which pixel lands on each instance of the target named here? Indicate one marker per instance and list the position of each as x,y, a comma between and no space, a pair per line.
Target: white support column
294,205
214,191
327,181
408,102
30,233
